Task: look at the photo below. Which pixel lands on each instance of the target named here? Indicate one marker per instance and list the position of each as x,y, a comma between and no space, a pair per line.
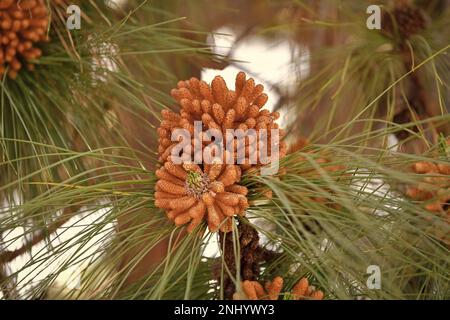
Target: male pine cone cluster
219,108
435,190
191,193
253,290
23,24
435,186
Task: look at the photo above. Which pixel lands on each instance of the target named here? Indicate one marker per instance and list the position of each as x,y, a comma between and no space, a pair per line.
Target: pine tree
89,190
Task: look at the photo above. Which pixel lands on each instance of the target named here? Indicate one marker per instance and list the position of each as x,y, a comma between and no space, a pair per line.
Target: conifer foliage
95,204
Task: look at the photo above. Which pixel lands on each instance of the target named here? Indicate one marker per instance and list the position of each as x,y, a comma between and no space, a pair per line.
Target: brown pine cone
253,290
23,24
252,255
220,108
190,194
404,19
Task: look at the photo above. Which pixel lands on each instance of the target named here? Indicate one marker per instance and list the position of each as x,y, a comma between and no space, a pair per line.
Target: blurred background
333,80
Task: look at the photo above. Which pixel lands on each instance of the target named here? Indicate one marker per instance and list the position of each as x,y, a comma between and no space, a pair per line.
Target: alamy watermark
74,19
374,280
374,20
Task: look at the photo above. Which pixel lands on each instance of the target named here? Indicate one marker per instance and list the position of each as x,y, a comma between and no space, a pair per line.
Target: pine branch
252,255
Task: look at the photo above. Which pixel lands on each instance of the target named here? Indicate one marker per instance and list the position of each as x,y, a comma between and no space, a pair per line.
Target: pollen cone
23,25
